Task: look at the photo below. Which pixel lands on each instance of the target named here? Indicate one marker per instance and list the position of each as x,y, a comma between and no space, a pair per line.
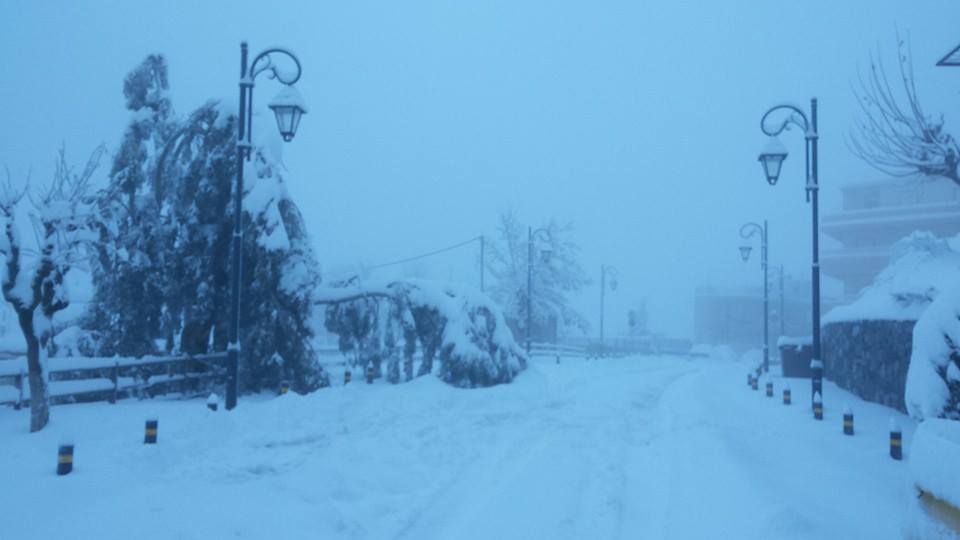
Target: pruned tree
893,133
65,221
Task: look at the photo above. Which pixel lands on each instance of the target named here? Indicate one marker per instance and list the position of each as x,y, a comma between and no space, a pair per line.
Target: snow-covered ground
643,447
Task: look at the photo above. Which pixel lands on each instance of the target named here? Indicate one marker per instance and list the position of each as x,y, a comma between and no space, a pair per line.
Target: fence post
19,382
115,377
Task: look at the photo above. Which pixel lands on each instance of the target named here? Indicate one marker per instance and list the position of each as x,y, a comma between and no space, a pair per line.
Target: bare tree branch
900,140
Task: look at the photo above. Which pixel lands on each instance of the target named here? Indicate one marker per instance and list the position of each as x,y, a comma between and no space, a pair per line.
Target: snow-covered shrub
462,329
476,347
920,266
933,379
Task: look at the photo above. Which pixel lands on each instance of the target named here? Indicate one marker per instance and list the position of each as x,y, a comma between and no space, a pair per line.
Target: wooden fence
73,380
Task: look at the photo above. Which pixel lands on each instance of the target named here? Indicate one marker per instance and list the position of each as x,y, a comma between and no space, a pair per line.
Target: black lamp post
288,108
746,232
532,235
604,272
772,159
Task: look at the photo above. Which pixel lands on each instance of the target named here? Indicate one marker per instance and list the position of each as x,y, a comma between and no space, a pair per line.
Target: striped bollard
212,402
817,407
749,379
786,396
150,432
847,420
284,387
754,383
896,440
769,389
346,377
370,374
64,459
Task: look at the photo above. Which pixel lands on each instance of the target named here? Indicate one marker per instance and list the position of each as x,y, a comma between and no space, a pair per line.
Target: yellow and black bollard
284,387
346,377
749,379
754,383
150,432
558,359
847,421
786,396
212,402
896,441
769,389
817,407
370,374
64,459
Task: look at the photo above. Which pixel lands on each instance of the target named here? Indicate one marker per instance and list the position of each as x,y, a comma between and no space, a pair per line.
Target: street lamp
288,107
545,254
604,272
747,231
772,158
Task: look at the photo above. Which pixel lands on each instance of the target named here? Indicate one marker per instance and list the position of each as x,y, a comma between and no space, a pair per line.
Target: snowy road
620,448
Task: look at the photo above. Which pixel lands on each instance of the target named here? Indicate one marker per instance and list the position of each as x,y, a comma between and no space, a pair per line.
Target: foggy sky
636,120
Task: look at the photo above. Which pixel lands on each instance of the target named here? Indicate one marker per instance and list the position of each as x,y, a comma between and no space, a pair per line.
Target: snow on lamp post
747,231
772,158
288,107
605,271
545,254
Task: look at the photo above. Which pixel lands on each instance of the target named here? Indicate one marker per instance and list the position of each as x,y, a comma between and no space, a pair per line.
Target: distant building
875,215
734,316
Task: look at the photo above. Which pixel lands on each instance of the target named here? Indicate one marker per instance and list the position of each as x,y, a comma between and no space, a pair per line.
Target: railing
615,347
554,349
81,379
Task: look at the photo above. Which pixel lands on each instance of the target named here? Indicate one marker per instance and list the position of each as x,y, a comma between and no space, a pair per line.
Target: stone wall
869,358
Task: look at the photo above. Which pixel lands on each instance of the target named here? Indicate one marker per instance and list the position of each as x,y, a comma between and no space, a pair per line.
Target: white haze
636,120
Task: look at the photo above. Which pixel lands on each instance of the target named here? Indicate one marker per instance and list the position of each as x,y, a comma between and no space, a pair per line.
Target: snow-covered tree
65,221
554,278
129,295
163,273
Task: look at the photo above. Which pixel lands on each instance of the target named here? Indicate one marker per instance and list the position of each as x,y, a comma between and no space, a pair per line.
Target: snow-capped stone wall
869,358
867,344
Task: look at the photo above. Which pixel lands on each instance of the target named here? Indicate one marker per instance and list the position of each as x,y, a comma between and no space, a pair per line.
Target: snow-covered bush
921,265
462,329
933,379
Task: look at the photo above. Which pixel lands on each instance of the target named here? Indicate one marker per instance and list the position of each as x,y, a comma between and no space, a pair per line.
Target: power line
418,257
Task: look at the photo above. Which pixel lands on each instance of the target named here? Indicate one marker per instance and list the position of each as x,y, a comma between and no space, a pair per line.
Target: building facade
734,316
877,214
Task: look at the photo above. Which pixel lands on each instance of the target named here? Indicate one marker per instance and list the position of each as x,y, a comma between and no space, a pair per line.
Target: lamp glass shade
772,163
546,255
745,252
288,107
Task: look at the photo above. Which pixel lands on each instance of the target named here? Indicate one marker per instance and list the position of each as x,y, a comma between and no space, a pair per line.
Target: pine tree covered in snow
129,294
163,274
